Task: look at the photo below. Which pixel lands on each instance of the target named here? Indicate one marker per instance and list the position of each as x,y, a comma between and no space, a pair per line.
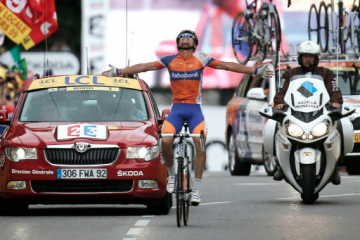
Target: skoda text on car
244,124
83,139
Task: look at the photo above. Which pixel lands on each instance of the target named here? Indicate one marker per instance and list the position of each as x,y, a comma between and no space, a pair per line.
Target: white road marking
324,196
254,184
134,231
142,223
129,238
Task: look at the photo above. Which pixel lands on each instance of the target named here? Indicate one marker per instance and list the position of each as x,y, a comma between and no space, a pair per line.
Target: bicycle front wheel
241,38
179,192
313,24
323,27
187,190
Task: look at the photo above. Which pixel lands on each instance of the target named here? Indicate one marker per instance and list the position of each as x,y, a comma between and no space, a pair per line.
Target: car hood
352,101
41,134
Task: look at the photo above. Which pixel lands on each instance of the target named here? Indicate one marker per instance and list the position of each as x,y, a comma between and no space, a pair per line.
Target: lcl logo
47,81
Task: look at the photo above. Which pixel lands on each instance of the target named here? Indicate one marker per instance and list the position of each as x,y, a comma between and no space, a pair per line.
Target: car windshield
78,104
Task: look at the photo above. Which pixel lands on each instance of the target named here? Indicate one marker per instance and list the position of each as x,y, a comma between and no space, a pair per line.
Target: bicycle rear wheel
355,33
278,28
179,192
273,45
241,38
323,27
313,24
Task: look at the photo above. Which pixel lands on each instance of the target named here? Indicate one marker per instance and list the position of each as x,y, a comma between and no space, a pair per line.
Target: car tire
237,166
163,208
270,163
352,165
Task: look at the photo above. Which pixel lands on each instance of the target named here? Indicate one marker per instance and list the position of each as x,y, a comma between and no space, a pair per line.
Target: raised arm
261,71
138,68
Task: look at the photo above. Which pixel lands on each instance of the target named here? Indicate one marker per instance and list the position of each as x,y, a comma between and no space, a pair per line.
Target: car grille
82,186
356,124
69,156
356,148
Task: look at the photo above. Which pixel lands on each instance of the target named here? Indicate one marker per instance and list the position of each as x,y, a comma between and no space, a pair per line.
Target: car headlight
320,130
146,153
16,154
294,130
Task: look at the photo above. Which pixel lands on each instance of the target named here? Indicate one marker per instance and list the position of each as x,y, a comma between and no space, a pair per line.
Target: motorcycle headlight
146,153
320,130
294,130
16,154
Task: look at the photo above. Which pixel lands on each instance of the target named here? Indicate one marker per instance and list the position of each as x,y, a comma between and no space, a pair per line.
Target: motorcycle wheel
308,183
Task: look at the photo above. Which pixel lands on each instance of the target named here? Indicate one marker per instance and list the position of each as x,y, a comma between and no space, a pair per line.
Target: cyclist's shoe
171,184
195,198
278,175
336,179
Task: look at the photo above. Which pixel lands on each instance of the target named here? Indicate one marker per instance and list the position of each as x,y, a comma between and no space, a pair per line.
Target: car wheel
163,207
270,163
352,165
236,165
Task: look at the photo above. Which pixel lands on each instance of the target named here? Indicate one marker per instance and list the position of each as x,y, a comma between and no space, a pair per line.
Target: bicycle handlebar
187,135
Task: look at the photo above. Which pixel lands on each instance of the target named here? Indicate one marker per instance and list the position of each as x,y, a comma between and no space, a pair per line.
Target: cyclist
308,59
185,69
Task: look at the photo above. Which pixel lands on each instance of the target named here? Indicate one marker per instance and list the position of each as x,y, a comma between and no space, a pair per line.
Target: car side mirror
164,115
272,113
4,117
256,93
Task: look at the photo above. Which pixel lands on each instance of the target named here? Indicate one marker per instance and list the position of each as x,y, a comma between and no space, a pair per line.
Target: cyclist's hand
264,72
335,105
112,72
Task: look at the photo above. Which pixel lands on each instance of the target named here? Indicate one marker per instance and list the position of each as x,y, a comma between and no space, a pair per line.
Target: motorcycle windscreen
307,94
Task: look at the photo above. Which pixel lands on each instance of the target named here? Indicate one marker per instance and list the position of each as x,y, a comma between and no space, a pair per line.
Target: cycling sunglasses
189,35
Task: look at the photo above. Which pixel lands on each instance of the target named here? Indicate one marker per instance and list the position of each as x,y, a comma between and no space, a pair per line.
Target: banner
27,21
12,25
93,35
46,24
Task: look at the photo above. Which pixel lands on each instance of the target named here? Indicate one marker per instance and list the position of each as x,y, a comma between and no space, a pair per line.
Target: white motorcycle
308,143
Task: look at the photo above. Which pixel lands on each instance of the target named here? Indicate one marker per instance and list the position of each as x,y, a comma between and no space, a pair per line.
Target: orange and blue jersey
186,75
186,85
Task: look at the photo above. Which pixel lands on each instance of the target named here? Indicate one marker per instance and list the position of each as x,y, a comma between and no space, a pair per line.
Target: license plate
81,173
357,137
307,154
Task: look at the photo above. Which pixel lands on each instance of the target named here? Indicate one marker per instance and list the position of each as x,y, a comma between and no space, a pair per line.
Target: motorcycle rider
308,58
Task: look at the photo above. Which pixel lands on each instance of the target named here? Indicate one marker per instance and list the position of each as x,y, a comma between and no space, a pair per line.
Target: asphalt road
254,207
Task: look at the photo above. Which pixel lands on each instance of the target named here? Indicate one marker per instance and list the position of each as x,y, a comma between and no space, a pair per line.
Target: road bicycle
183,177
355,28
256,33
326,28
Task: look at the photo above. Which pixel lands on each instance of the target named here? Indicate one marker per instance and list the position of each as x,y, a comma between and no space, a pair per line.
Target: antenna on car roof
337,53
47,71
126,31
87,62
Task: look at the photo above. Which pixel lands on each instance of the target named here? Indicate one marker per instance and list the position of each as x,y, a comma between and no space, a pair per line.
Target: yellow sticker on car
357,137
91,88
84,80
307,154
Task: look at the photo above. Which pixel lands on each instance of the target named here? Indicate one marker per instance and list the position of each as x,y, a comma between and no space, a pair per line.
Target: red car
83,139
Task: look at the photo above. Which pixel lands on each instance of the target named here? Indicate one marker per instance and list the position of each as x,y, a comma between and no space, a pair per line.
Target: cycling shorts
181,112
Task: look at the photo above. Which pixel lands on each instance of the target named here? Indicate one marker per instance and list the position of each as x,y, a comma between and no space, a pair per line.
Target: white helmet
309,47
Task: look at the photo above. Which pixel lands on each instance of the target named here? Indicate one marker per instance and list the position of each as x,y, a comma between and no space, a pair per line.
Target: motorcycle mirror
341,112
272,113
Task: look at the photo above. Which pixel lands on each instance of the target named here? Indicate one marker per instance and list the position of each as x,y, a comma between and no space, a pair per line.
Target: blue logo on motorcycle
307,89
